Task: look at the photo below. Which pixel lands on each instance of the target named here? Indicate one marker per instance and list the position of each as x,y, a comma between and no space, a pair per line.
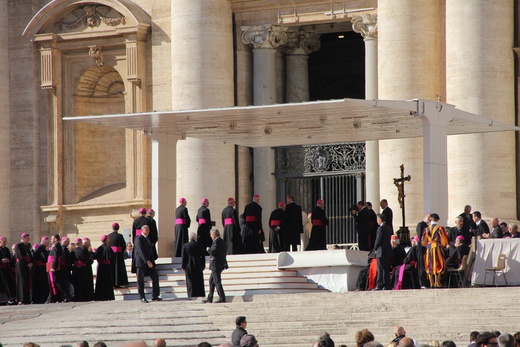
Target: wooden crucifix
399,183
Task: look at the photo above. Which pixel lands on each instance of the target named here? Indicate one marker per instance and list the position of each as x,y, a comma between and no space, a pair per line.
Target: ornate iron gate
334,173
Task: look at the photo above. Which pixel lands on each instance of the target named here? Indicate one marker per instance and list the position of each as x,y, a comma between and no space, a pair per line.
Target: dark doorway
337,69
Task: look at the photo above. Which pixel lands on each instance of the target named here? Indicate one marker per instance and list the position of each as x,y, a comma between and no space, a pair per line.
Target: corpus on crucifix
403,233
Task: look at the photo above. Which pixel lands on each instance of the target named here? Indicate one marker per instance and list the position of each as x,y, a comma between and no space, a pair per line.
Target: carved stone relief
90,16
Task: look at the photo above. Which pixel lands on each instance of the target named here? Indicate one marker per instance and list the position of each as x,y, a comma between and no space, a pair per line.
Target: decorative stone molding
96,53
90,16
264,36
47,69
308,42
366,25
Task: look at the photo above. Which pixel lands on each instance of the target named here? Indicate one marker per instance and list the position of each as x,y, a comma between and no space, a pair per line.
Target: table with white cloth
487,256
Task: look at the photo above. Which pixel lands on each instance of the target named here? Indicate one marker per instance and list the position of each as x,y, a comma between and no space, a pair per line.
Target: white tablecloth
487,255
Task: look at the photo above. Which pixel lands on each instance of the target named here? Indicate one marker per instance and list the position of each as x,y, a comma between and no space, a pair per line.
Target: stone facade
124,56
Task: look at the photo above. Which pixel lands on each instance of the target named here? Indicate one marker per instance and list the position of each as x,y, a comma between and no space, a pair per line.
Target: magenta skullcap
24,235
182,200
104,238
256,196
142,210
2,238
151,211
281,204
64,238
45,238
203,200
35,246
460,237
230,200
86,239
115,226
416,238
78,240
319,201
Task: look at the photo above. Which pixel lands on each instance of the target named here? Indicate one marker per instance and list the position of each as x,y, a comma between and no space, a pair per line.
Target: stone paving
276,320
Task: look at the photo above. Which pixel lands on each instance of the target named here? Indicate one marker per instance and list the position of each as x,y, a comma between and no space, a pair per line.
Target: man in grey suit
217,264
383,250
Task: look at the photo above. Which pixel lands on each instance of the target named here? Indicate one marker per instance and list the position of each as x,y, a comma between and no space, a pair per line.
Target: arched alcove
100,152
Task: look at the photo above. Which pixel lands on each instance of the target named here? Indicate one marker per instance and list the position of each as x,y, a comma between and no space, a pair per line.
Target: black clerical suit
383,250
217,264
387,211
293,227
482,228
142,255
193,264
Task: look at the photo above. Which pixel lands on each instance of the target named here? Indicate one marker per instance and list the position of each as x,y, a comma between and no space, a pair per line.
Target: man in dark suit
293,225
482,226
383,250
217,264
389,215
458,230
468,223
145,264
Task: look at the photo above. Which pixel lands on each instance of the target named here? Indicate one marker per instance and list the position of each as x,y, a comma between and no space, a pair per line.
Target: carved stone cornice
302,42
264,36
366,25
90,16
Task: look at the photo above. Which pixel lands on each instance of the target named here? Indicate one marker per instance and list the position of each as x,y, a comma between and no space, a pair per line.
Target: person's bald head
159,343
399,331
406,342
135,344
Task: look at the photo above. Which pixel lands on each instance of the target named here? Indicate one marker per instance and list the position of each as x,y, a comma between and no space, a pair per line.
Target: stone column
299,45
244,87
264,39
366,25
5,203
409,40
482,166
202,77
164,159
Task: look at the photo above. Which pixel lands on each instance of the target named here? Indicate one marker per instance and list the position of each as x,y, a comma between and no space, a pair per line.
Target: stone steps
247,275
276,320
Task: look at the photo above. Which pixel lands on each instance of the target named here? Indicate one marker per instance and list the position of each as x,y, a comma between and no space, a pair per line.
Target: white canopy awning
317,122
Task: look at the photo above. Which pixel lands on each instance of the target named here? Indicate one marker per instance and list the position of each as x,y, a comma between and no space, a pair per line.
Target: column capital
302,42
264,36
366,25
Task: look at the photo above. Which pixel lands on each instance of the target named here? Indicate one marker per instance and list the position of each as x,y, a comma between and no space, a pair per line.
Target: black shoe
66,300
144,301
205,301
157,298
220,300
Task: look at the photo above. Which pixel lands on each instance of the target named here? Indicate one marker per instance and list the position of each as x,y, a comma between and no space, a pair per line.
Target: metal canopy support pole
435,117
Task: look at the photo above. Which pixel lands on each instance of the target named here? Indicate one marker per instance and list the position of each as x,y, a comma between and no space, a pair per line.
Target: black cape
118,245
104,276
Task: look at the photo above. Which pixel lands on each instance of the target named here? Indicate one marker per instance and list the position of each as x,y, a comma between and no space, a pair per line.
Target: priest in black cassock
182,223
252,228
66,263
293,225
40,285
204,220
9,285
24,264
231,228
276,228
81,276
318,240
193,264
87,257
104,276
118,245
59,287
